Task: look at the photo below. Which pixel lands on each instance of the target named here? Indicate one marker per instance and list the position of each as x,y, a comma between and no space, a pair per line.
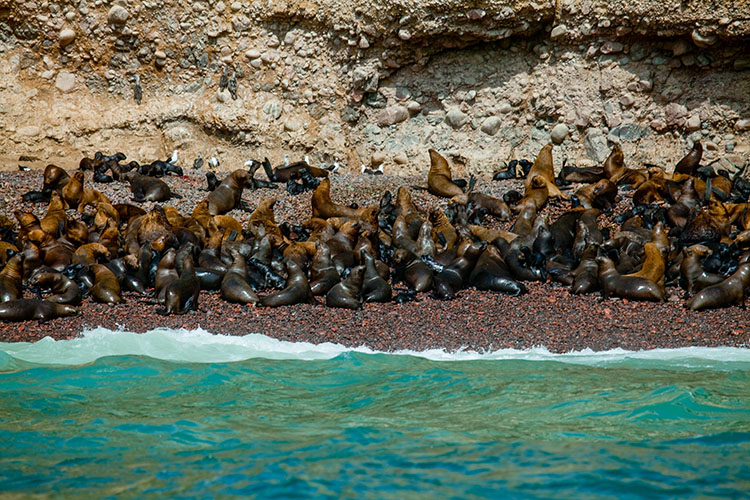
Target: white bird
335,167
286,160
249,163
362,168
213,162
173,159
307,159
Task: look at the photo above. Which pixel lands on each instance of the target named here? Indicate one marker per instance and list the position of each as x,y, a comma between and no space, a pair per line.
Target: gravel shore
548,315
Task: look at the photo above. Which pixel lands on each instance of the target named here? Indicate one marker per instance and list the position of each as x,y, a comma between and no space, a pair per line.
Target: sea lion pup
55,220
615,285
41,310
690,162
91,197
297,290
234,286
145,188
653,267
322,271
374,287
602,195
72,191
54,178
494,206
90,253
491,273
182,295
652,190
227,195
283,173
344,293
440,181
424,244
323,207
412,270
543,167
729,292
677,215
616,171
64,290
586,275
693,277
11,278
106,287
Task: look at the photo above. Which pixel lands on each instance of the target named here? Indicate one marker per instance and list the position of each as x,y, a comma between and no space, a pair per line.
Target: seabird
232,86
198,163
307,159
137,91
224,80
213,162
335,167
173,158
23,168
286,160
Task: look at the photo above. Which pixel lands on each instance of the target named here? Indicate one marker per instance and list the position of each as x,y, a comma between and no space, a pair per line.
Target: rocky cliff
375,81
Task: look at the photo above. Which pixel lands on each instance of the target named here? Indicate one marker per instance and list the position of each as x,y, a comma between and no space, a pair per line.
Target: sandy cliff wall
375,81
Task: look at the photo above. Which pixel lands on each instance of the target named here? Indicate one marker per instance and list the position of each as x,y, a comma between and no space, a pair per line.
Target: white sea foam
200,346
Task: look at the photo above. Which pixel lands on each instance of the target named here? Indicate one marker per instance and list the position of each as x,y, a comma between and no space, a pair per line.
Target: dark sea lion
543,167
64,290
166,274
344,293
729,292
615,285
424,244
145,188
235,287
693,277
585,175
440,181
494,206
41,310
323,273
297,290
284,173
586,275
491,273
690,162
182,295
412,270
374,287
106,287
228,194
54,178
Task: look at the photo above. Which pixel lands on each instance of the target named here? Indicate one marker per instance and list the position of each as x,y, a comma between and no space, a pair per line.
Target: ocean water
189,414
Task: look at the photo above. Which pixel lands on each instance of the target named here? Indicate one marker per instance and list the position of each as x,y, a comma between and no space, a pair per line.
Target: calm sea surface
190,414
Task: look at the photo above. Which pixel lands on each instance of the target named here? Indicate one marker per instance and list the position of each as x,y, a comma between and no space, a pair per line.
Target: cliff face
375,81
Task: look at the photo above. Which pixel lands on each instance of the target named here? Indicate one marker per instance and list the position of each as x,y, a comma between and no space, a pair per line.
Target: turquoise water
190,414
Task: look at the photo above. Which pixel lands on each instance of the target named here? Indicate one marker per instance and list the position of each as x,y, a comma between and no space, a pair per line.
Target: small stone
289,38
401,158
363,43
693,123
159,54
558,31
627,100
558,133
404,34
680,47
29,131
256,63
596,145
611,47
675,114
377,159
456,118
491,125
117,15
741,64
703,41
710,146
742,125
476,14
628,132
292,125
236,6
273,109
252,54
223,95
65,81
414,107
505,108
67,35
392,115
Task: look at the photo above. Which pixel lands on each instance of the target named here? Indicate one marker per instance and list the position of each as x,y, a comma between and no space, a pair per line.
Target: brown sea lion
90,253
64,290
424,244
729,292
494,206
234,286
653,267
147,188
374,287
41,310
297,290
11,278
690,162
344,294
537,193
323,273
602,194
586,275
615,285
544,168
228,194
55,221
54,178
73,190
693,277
106,287
324,208
166,274
439,179
182,295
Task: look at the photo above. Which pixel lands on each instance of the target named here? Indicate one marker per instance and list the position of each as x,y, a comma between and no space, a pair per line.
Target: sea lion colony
690,227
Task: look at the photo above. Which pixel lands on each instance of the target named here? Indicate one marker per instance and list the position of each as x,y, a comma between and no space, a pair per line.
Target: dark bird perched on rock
137,90
232,86
198,163
224,80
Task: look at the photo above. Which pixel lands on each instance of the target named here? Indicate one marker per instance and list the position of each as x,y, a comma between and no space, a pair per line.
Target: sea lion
613,284
586,275
235,287
106,287
145,188
324,208
284,173
729,292
165,275
11,278
54,178
693,278
344,293
494,206
543,168
412,270
227,195
64,290
182,295
440,181
297,290
41,310
491,273
374,287
73,190
322,271
653,267
690,162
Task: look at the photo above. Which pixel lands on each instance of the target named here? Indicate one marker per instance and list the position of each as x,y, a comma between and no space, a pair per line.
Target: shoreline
548,315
